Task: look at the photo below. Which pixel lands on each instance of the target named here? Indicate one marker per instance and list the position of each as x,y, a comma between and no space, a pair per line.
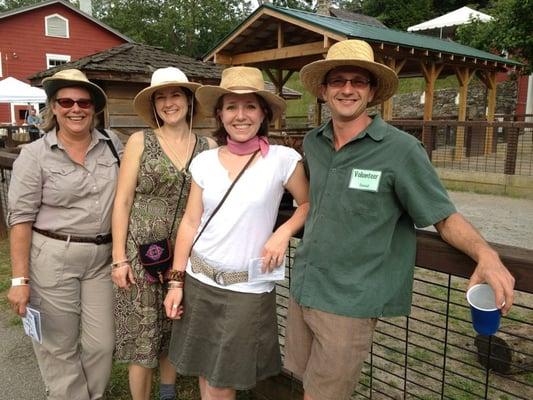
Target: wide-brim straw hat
72,78
239,80
161,78
355,53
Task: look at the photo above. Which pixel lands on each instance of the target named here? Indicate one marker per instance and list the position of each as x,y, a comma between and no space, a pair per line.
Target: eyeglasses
358,83
66,102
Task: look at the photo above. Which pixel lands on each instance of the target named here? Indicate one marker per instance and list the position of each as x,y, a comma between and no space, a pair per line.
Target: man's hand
458,232
491,270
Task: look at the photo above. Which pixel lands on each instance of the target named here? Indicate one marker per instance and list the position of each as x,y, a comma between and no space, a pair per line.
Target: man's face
347,90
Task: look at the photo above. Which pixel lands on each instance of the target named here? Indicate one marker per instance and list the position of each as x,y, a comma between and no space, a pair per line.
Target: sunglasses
66,102
359,83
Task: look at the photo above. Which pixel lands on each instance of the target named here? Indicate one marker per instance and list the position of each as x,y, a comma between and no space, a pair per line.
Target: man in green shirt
370,184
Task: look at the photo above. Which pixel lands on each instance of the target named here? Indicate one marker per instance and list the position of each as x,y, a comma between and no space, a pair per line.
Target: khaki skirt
229,338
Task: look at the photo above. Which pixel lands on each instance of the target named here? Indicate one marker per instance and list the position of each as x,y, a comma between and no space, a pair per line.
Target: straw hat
356,53
161,78
72,78
239,80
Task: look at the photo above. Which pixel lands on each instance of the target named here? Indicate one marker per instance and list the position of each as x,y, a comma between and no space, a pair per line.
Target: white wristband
19,281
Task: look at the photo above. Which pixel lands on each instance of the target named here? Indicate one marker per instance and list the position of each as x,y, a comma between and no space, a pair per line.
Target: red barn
44,35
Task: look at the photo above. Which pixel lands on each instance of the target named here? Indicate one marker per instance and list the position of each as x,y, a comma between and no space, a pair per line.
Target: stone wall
408,105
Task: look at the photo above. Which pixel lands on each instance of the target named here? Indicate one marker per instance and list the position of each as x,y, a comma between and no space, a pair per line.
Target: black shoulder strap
224,197
110,144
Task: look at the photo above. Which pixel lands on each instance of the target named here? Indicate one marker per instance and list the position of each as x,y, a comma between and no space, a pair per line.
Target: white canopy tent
19,93
461,16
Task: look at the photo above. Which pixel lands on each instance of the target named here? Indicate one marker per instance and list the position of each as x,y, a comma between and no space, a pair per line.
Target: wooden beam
287,77
221,58
464,75
297,22
279,54
431,73
490,78
281,42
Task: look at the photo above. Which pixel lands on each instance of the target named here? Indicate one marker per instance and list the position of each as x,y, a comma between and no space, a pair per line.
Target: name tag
365,179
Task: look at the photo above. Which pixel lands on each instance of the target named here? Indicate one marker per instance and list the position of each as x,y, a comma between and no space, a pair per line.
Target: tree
398,14
306,5
6,5
188,27
509,32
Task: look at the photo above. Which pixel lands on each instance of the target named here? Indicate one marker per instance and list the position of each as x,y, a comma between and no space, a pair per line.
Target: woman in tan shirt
59,211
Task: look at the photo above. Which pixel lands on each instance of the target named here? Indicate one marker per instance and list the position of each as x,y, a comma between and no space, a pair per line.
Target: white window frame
58,16
1,70
59,57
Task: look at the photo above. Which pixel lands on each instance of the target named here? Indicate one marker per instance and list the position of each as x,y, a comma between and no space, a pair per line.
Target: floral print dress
142,328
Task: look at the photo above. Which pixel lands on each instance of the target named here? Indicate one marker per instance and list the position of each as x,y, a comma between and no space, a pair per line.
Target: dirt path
500,219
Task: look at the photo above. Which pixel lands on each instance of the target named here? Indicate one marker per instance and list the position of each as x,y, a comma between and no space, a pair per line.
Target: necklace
180,162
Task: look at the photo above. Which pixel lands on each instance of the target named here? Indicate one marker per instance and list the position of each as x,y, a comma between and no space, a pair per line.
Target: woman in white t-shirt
228,334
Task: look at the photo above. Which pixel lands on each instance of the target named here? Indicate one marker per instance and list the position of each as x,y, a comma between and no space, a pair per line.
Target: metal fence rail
435,353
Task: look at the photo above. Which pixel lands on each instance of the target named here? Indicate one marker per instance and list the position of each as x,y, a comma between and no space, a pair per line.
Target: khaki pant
326,351
71,287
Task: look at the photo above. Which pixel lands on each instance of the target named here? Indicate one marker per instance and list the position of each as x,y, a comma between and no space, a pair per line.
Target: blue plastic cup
485,315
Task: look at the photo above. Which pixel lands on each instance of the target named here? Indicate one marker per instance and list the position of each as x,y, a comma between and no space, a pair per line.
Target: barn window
53,60
56,26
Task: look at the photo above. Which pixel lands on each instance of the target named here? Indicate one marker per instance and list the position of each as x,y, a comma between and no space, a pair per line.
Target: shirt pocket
61,185
361,203
106,169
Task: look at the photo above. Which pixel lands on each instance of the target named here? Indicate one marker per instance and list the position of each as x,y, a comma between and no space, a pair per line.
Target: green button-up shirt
358,251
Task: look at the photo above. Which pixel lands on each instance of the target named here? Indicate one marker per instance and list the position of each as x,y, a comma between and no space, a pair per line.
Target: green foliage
306,5
185,27
398,14
509,32
6,5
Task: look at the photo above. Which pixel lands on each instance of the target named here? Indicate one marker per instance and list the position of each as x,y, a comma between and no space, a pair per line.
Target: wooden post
431,73
464,75
489,79
278,82
387,105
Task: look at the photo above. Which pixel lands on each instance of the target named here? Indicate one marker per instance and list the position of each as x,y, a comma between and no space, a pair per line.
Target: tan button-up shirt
57,194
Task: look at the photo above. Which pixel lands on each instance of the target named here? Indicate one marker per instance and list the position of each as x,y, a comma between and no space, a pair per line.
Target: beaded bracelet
175,275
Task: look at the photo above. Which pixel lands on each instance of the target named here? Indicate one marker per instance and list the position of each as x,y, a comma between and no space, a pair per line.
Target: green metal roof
374,33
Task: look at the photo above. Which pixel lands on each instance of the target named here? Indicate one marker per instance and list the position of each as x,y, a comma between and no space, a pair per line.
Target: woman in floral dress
152,192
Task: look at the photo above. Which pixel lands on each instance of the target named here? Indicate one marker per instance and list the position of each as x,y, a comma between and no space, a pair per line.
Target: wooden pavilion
281,41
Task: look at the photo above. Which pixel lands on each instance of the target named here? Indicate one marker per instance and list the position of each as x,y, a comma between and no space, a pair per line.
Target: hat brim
52,85
142,103
312,76
208,96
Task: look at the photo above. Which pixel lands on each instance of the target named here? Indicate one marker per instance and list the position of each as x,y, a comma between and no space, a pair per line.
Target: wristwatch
19,281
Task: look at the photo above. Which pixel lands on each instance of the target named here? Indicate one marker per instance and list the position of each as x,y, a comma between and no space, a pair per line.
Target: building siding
24,45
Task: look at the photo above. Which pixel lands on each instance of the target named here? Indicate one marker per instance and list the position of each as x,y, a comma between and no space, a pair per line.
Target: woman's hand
172,303
122,276
19,297
274,251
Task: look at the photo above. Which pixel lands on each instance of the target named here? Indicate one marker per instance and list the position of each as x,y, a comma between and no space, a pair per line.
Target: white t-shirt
240,229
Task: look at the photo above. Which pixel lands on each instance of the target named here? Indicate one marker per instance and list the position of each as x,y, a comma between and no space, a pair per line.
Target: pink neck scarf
248,147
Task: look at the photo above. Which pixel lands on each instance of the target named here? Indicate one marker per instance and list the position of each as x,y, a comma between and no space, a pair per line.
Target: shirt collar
377,130
51,138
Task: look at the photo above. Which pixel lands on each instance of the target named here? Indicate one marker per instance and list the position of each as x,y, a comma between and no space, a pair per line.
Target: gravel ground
500,219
